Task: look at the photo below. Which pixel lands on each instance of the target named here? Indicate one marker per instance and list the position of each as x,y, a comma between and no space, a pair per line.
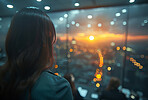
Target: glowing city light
109,68
73,22
131,59
56,66
101,59
124,10
98,73
118,48
98,76
124,48
145,21
132,96
112,44
131,1
91,37
89,16
136,63
89,25
99,79
101,62
38,0
95,79
10,6
77,24
101,73
47,8
112,23
61,18
74,42
56,74
76,4
65,15
99,25
118,14
97,85
71,50
124,23
67,25
94,96
100,65
140,67
97,70
129,49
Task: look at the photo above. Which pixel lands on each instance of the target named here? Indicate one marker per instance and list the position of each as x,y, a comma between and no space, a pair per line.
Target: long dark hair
29,48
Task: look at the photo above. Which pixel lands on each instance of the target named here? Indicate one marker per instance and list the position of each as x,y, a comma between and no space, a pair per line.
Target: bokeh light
56,66
118,48
124,48
97,85
109,68
98,76
71,50
56,74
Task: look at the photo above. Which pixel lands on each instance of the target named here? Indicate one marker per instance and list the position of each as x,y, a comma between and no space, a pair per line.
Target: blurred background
96,39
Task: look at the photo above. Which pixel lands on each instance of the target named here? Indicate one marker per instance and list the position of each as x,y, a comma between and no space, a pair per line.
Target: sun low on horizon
91,37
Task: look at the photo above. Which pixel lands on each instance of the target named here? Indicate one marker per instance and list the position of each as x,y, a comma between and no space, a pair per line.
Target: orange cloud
103,37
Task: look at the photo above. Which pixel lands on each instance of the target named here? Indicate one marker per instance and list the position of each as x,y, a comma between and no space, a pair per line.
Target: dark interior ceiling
60,5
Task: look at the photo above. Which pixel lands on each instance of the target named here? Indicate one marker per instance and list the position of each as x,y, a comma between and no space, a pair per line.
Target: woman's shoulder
52,87
47,75
47,78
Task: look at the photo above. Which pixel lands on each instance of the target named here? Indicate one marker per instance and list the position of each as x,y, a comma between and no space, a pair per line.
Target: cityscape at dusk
96,44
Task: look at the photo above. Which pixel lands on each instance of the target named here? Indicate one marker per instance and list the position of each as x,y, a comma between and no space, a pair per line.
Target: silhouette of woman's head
29,48
30,39
113,84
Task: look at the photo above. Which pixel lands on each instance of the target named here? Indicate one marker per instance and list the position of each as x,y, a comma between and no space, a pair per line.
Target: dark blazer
51,87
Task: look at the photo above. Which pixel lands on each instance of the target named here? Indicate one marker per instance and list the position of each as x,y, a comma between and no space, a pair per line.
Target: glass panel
94,49
137,50
59,21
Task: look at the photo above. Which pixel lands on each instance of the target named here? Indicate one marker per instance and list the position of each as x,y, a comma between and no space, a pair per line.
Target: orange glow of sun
91,37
